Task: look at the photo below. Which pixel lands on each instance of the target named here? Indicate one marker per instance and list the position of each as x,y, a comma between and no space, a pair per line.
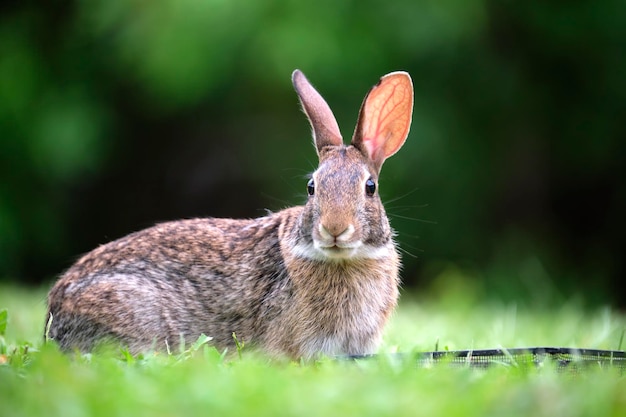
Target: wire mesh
563,358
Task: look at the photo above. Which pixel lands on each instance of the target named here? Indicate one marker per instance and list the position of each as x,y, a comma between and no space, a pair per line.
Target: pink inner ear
386,116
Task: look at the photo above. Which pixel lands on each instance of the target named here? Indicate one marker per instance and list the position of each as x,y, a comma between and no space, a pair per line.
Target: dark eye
370,187
310,187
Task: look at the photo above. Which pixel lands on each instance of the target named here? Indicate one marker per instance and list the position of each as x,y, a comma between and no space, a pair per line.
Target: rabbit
315,280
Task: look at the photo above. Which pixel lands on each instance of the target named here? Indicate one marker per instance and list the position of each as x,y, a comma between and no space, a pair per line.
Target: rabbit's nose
336,231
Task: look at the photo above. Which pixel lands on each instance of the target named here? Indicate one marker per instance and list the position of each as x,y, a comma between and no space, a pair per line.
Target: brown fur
266,279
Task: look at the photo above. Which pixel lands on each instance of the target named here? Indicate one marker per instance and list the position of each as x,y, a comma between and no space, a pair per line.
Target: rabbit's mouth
337,250
341,251
353,250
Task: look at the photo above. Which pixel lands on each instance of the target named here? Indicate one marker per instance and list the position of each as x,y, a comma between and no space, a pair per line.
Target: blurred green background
115,115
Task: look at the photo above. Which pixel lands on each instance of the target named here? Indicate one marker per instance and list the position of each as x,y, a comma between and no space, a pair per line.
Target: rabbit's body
151,287
315,279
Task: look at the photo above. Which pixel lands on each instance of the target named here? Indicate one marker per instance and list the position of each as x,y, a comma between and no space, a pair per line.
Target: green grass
37,380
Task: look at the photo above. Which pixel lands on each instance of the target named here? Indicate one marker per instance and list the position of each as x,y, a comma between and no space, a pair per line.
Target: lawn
200,381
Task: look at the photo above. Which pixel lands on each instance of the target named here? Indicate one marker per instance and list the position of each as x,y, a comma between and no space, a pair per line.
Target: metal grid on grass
564,358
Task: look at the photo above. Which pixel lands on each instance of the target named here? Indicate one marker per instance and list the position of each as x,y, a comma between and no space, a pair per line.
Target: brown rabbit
318,279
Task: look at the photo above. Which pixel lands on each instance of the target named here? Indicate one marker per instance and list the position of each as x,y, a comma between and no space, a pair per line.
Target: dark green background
117,114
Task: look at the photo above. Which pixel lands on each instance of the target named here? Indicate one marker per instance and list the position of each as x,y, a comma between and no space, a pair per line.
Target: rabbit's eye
310,187
370,187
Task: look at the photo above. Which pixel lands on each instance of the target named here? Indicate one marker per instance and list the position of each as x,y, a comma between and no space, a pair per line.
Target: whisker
406,252
403,243
405,235
401,196
413,207
415,219
280,201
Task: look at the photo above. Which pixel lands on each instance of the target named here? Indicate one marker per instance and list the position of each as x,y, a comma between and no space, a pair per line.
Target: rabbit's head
344,218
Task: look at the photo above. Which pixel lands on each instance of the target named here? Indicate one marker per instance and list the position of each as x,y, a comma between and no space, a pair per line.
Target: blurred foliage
118,114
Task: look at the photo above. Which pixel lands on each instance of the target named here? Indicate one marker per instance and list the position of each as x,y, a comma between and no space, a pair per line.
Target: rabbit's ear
325,128
385,118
